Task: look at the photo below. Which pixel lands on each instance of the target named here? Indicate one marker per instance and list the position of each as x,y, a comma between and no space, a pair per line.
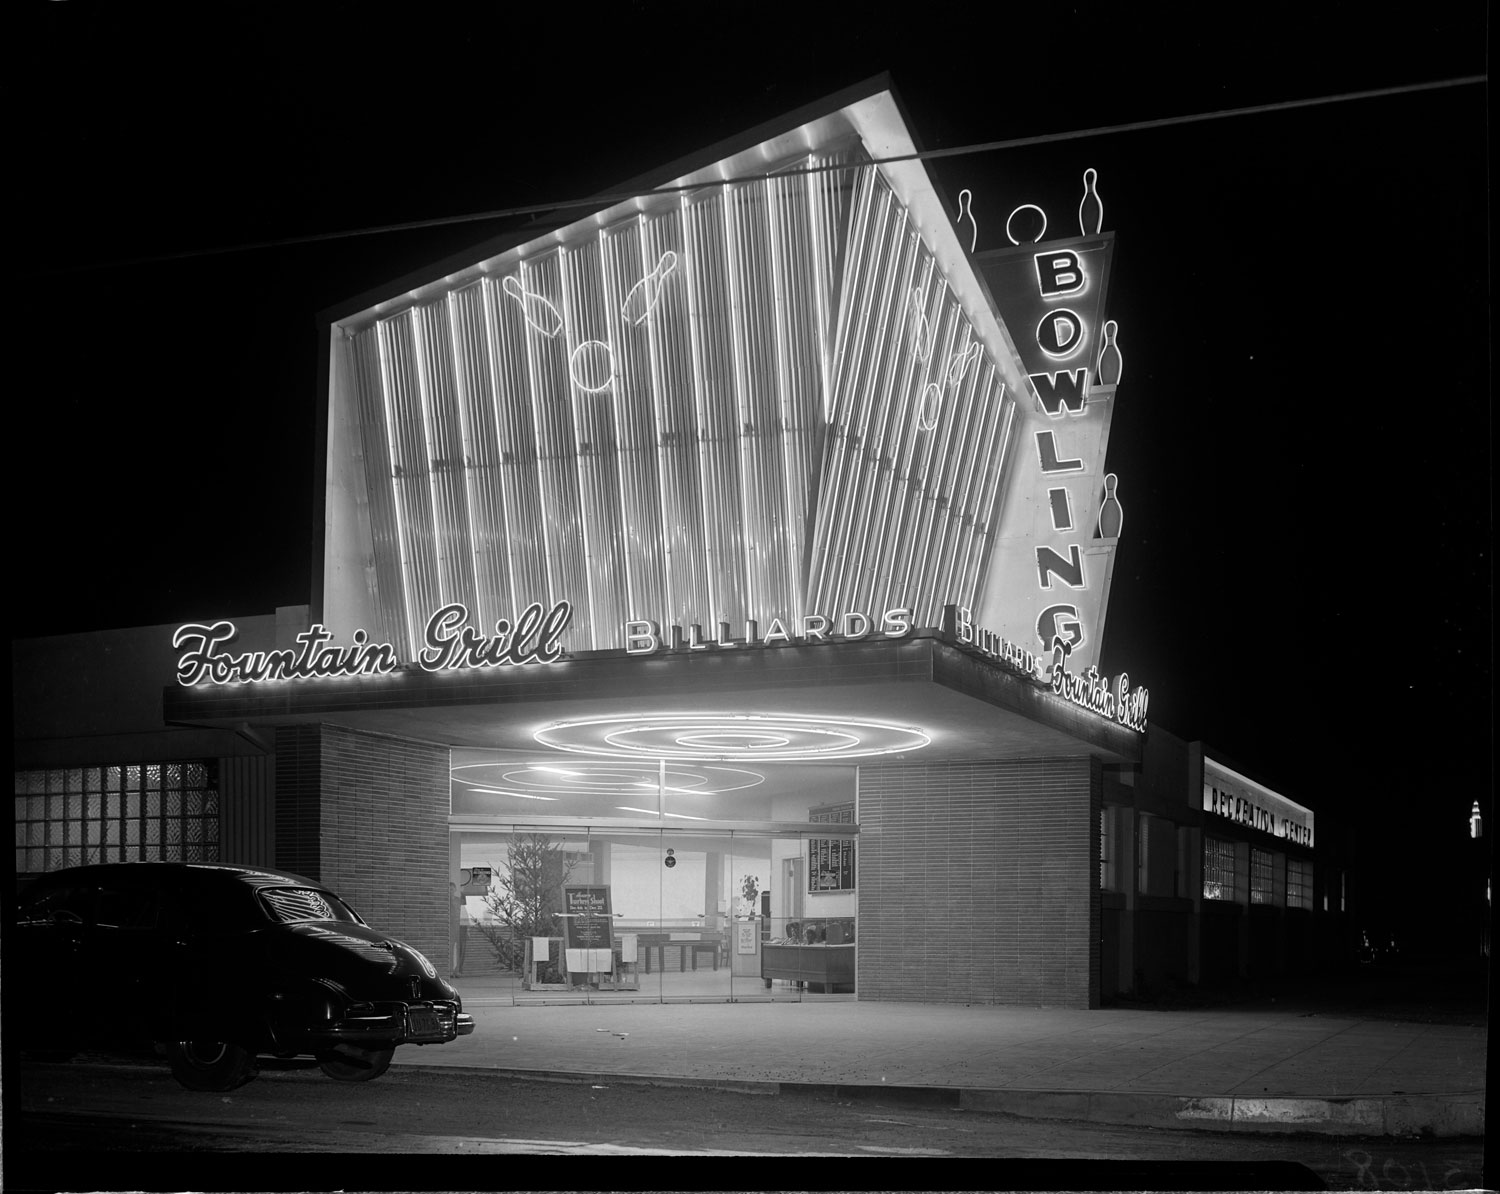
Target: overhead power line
608,198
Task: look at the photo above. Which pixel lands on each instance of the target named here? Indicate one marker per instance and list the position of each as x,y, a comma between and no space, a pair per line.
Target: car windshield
289,904
46,903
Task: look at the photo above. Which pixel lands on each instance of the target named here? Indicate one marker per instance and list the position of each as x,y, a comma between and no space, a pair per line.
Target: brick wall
298,784
978,882
380,807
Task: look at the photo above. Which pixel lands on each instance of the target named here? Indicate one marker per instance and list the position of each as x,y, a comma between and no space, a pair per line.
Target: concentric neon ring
729,737
538,781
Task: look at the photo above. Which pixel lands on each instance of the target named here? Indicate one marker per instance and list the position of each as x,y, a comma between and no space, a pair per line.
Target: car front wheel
354,1063
210,1065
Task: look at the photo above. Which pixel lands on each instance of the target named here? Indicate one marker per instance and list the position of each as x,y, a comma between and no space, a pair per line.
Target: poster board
475,880
588,922
831,860
830,864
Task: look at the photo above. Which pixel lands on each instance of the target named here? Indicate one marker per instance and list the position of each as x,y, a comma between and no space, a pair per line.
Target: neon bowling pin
1110,360
960,364
1091,210
932,406
966,208
921,334
646,293
540,314
1111,513
1028,220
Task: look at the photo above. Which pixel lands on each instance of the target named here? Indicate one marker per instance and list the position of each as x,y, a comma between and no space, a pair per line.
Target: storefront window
1262,881
684,914
1218,869
1299,883
127,812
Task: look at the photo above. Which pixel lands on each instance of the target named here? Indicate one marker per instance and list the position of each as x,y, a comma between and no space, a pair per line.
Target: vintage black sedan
219,964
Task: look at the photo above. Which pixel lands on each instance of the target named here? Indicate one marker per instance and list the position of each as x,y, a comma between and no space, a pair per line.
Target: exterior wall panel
247,810
298,781
385,833
367,814
978,883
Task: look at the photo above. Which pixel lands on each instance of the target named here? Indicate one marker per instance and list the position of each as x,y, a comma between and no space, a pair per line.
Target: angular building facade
711,603
770,386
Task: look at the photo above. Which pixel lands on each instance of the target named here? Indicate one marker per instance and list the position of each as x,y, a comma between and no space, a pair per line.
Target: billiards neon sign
1113,699
644,636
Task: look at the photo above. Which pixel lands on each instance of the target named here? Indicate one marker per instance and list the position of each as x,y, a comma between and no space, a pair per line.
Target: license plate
423,1024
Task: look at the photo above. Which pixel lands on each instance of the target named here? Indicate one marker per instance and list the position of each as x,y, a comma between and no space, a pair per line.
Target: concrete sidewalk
1215,1068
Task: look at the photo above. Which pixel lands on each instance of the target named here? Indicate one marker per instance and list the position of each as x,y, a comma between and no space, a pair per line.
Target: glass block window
1262,877
123,812
1218,869
1299,884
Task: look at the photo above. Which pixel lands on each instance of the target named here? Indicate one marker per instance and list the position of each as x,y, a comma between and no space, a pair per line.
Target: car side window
123,906
55,904
214,908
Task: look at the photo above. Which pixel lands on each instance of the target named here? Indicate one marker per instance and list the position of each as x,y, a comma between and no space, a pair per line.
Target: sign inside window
587,922
830,864
830,861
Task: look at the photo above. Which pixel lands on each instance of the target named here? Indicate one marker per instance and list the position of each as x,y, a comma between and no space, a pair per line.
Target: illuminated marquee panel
919,432
1228,794
714,410
1055,542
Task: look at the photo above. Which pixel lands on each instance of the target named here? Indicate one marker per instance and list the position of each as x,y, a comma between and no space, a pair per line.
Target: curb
1437,1115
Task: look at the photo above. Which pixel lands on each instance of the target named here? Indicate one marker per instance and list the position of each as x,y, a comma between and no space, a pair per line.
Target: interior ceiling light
731,737
537,781
651,812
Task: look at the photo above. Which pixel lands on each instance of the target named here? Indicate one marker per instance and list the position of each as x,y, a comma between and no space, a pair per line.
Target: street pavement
1260,1068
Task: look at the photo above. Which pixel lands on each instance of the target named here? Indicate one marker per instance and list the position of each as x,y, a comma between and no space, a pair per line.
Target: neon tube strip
388,587
533,390
494,554
615,260
854,400
886,369
416,494
408,628
515,442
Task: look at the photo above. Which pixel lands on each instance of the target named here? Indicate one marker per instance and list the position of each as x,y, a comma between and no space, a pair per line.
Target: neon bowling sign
1062,336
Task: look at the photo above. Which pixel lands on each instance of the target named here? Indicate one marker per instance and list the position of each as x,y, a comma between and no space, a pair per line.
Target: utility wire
607,199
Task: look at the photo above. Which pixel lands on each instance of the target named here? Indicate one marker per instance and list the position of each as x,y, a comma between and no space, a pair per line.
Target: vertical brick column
298,786
978,882
368,815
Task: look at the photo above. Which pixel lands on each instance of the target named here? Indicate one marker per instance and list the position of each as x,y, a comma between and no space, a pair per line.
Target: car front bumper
401,1024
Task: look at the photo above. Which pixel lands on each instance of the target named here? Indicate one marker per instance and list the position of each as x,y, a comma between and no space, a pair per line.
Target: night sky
1304,423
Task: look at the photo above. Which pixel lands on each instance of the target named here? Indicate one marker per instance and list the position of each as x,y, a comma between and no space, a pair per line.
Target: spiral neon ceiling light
730,737
538,781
